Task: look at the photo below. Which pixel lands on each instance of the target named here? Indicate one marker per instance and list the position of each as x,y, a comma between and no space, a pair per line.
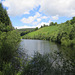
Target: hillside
62,33
25,30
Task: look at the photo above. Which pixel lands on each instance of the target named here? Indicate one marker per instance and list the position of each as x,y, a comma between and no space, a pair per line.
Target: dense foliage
48,64
9,40
5,20
63,33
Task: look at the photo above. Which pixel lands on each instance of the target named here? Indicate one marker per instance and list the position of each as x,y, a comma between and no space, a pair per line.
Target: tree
55,23
73,20
4,18
2,27
68,22
41,26
51,24
36,28
72,33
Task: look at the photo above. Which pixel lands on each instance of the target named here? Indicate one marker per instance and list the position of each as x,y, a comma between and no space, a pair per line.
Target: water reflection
41,46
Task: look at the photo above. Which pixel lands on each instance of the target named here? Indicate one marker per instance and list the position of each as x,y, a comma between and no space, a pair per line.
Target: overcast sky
34,13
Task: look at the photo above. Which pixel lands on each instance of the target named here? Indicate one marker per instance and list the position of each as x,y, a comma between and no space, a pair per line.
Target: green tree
72,33
41,26
55,23
4,18
73,20
51,24
36,28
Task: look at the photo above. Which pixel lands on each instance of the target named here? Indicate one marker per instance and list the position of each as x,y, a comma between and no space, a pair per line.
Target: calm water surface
41,46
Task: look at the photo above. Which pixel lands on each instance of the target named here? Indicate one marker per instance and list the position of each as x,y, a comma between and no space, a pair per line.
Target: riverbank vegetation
63,33
48,64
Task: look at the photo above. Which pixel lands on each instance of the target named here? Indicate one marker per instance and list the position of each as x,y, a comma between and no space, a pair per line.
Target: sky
34,13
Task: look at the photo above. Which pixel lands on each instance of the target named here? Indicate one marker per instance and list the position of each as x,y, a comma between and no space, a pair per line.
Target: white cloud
55,17
37,15
19,7
58,7
28,20
49,7
26,13
25,26
44,17
38,19
35,23
32,18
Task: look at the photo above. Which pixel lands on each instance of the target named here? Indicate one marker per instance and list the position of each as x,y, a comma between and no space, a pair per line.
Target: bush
8,47
48,64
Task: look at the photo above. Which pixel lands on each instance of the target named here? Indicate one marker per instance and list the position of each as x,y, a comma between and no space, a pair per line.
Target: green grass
46,31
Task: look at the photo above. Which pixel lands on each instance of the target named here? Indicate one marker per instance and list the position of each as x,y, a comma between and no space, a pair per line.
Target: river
42,46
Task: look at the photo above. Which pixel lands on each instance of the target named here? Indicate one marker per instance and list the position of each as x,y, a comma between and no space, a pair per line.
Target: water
41,46
60,63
